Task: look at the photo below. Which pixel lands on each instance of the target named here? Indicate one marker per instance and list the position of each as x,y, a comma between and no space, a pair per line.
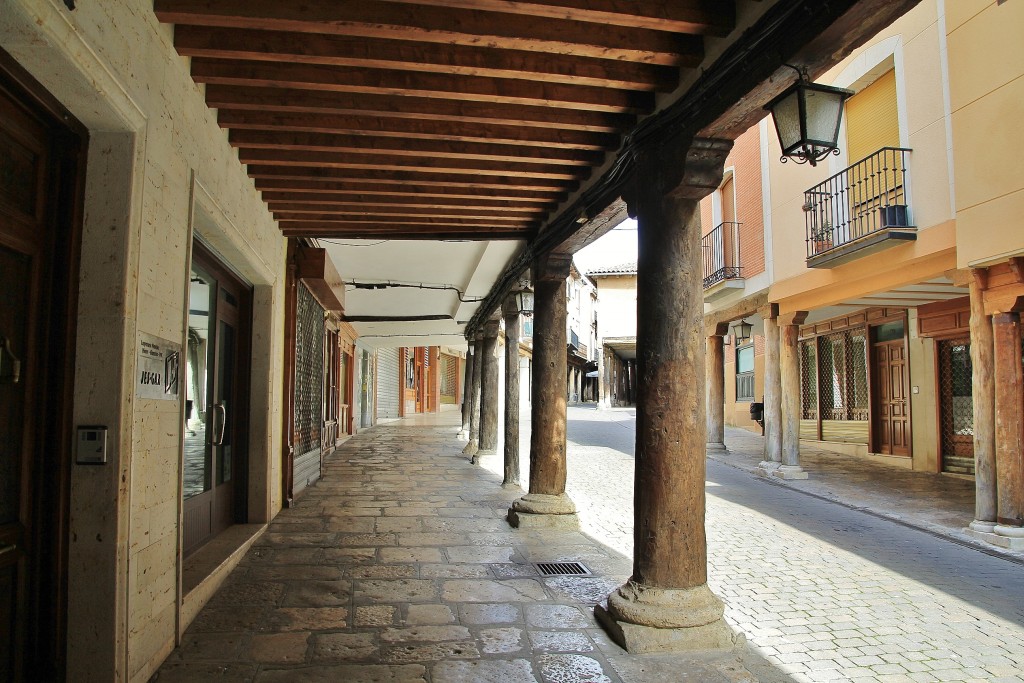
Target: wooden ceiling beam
398,179
382,162
449,26
461,60
335,219
451,232
427,129
702,17
299,208
385,201
419,84
368,190
397,106
438,149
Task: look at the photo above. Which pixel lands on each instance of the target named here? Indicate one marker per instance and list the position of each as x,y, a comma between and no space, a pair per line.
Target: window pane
745,359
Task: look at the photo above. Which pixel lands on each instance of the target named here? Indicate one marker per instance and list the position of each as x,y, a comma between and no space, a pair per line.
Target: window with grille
809,379
309,371
843,376
956,405
449,377
745,373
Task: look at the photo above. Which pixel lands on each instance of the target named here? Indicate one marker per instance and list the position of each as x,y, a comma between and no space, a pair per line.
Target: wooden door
39,232
217,402
889,407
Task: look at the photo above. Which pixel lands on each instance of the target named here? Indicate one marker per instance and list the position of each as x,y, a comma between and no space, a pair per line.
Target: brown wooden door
217,402
889,407
39,200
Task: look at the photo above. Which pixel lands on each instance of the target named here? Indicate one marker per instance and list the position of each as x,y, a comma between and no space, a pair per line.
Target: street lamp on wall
807,117
741,331
523,302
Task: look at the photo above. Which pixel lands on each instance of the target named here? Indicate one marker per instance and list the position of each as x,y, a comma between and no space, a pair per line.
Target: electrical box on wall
92,445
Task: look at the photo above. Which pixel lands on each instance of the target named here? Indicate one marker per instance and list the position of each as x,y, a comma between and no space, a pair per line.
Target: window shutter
871,119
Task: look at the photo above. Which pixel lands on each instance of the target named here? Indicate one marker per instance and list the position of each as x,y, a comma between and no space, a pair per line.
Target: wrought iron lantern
524,302
807,117
741,331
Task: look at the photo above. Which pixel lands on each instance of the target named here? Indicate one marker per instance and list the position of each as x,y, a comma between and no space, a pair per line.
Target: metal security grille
309,372
956,406
449,376
809,380
843,376
561,569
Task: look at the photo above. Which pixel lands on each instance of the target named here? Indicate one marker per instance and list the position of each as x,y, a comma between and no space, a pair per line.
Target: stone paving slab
399,566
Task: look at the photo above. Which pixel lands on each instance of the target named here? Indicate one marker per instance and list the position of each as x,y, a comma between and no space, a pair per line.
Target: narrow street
824,592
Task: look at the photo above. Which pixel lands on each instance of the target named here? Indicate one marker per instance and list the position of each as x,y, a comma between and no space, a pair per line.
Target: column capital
510,307
551,267
489,329
792,318
680,167
769,312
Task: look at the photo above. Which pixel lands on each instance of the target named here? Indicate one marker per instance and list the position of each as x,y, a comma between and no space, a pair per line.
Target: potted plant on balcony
821,236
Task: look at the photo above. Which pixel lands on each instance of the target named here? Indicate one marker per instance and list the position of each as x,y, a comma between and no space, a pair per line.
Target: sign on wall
157,373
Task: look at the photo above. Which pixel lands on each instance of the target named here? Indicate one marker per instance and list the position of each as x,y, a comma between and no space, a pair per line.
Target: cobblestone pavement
825,592
399,567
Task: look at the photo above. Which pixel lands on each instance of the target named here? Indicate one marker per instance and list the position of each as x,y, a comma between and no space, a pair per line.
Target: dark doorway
42,152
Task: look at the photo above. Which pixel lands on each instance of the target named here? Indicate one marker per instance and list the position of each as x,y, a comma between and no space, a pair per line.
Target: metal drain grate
561,569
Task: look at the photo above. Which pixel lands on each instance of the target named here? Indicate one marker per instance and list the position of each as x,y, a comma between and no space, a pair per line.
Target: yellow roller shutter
871,119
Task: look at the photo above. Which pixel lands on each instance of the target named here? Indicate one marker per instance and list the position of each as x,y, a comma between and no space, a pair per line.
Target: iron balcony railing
720,250
863,199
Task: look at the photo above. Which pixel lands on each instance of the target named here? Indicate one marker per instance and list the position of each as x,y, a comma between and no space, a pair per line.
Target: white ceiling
470,267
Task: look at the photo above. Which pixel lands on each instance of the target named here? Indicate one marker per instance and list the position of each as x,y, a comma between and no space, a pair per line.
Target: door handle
219,438
14,373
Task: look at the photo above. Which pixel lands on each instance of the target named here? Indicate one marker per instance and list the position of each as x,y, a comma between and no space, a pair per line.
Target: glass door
215,414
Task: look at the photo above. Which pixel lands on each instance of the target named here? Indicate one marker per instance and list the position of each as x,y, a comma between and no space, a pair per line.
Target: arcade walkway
399,566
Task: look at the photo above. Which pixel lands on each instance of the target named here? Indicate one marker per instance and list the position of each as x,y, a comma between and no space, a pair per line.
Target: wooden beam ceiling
461,119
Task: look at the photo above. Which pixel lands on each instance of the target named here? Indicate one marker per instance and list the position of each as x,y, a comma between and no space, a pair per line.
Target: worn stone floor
399,566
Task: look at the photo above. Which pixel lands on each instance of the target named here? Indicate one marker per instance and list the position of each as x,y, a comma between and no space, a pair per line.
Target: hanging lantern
741,331
807,117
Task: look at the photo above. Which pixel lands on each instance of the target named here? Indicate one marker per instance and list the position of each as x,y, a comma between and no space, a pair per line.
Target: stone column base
1009,537
470,449
482,453
717,447
644,620
767,468
544,511
463,435
983,526
790,472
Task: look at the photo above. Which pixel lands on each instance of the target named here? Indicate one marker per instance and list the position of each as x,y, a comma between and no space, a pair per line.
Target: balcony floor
399,566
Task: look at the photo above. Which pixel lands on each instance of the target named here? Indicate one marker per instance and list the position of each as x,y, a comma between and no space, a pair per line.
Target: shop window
745,373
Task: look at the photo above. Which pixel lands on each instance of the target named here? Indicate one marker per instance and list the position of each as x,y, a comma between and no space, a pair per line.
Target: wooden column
602,382
714,371
467,392
772,456
666,604
983,392
1009,425
474,396
547,505
789,368
510,310
488,444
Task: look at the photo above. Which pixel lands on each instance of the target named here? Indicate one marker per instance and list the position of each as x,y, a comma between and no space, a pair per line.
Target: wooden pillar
983,391
510,310
789,369
467,392
547,505
488,443
474,394
772,456
1009,425
602,382
714,371
666,604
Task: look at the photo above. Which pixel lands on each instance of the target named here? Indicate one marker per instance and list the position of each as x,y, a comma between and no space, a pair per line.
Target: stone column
1009,432
789,369
983,392
602,382
467,393
772,456
547,505
474,395
488,444
714,371
510,310
666,604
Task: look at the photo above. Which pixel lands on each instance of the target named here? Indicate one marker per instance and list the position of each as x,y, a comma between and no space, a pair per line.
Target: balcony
720,251
859,211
